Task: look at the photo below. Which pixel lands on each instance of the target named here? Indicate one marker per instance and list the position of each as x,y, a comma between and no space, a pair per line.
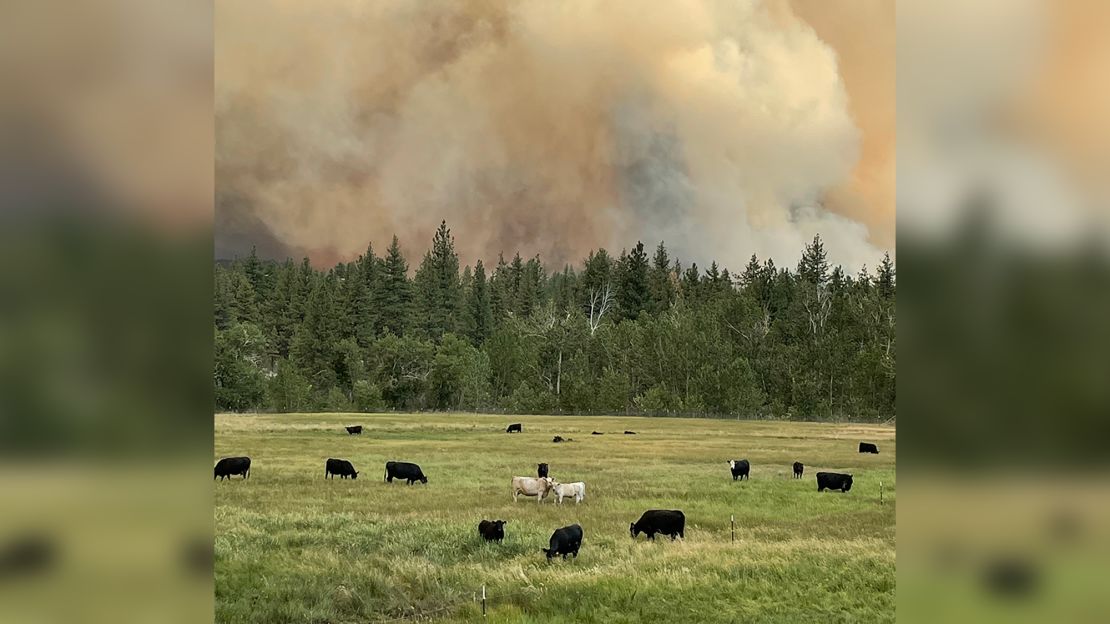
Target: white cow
566,490
532,486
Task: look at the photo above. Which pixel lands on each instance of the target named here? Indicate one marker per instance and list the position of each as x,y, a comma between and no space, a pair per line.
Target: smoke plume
724,128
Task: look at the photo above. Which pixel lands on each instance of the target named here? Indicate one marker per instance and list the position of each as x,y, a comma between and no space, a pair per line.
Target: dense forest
638,333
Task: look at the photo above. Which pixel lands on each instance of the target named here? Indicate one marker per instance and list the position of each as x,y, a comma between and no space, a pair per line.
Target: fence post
880,492
734,527
483,601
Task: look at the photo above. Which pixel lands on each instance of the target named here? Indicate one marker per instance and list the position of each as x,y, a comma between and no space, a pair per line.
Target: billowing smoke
721,127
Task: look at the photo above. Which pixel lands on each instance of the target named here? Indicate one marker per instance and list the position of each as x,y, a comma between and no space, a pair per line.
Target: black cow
597,433
404,470
630,433
233,466
355,430
739,468
833,481
666,521
565,541
867,447
798,468
541,470
340,467
492,530
514,428
558,439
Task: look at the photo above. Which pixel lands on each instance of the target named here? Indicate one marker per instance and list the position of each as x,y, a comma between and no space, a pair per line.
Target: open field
292,547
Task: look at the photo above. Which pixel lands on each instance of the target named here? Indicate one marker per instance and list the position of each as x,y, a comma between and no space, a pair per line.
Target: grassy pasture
292,547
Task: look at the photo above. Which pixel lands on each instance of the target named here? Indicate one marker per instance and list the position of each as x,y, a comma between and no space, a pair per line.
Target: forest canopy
636,333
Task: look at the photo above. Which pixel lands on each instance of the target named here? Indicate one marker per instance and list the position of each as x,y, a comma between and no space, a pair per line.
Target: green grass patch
294,547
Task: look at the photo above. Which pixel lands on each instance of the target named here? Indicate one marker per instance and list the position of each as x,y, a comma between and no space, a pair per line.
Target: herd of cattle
566,540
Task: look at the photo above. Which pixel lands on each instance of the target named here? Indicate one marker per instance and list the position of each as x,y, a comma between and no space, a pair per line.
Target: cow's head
423,479
848,483
355,475
632,530
732,463
549,552
499,525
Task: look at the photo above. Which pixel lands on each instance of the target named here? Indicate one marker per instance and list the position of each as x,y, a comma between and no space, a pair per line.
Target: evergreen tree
437,286
479,314
633,296
597,273
886,277
394,291
659,281
499,292
814,265
691,284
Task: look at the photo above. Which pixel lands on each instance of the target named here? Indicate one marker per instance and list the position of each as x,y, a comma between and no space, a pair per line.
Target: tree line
628,334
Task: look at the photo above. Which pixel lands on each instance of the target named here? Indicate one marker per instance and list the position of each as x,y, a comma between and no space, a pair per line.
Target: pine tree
691,284
369,323
659,279
633,296
513,284
438,291
394,291
499,295
597,273
814,265
479,314
886,278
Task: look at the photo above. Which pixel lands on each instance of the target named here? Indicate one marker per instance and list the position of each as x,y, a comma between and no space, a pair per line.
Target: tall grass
292,547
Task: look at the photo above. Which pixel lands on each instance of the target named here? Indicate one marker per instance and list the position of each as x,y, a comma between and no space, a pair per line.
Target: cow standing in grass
740,468
340,467
541,470
666,521
514,428
492,530
576,490
404,470
354,430
232,466
565,541
833,481
867,447
532,486
798,469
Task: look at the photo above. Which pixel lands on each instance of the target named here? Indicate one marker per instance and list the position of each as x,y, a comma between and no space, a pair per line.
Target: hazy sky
725,128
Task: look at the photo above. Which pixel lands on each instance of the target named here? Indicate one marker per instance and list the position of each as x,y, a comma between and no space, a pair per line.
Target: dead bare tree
818,309
601,301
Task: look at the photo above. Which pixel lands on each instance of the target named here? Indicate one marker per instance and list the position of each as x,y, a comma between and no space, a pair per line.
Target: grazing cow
532,486
867,447
666,521
567,490
340,467
514,428
597,433
565,541
630,433
492,530
740,468
541,470
798,468
557,439
355,430
833,481
404,470
233,466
